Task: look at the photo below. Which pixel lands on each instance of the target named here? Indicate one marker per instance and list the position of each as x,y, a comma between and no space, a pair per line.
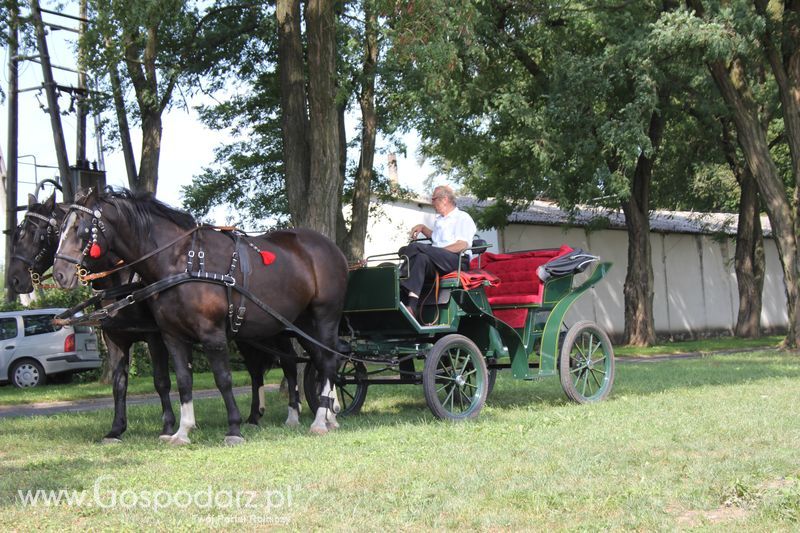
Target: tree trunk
638,289
122,123
369,130
753,141
147,180
749,260
294,118
323,189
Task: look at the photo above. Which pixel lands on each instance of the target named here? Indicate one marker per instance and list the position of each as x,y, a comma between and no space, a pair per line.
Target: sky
187,145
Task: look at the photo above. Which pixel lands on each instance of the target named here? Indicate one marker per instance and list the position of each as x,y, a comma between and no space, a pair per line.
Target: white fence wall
694,282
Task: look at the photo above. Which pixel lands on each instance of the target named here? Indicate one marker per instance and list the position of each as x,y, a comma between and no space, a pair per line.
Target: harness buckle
230,281
35,277
82,273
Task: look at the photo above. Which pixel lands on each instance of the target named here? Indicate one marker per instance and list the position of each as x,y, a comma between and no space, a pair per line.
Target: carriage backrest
519,282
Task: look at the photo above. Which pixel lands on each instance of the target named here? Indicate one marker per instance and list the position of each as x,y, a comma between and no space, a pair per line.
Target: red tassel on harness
267,257
94,251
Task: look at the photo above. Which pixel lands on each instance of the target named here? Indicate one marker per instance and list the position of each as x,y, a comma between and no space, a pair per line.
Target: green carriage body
380,324
461,332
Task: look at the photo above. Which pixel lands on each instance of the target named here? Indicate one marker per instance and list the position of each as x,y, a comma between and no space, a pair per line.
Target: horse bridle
42,235
92,232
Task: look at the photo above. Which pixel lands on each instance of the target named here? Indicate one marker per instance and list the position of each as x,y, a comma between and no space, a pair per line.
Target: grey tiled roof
549,214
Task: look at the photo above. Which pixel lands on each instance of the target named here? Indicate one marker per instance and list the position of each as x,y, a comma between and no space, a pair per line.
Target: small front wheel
455,380
586,365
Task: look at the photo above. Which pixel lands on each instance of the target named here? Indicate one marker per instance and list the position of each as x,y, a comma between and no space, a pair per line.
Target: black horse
34,245
300,273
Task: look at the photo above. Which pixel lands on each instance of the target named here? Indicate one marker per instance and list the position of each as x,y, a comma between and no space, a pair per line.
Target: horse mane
141,208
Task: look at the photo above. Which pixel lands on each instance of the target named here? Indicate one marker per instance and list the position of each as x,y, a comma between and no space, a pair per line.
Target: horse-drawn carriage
499,315
206,285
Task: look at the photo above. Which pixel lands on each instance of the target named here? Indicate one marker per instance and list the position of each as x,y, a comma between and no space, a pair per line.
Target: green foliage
51,298
247,174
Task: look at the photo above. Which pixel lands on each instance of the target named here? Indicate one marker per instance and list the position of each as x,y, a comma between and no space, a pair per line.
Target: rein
86,277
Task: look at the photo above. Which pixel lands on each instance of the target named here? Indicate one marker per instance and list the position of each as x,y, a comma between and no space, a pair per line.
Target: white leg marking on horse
293,420
262,401
187,424
320,424
297,395
332,423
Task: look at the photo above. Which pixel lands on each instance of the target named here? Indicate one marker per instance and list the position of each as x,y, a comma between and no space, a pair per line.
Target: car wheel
27,373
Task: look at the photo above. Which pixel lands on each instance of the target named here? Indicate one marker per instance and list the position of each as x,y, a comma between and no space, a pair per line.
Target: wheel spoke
594,377
449,398
585,382
465,397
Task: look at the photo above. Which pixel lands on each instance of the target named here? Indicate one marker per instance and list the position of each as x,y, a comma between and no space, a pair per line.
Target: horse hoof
291,423
318,429
233,440
332,425
177,440
165,437
111,440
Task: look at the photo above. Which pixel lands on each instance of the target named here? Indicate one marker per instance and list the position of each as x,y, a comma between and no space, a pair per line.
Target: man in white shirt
452,233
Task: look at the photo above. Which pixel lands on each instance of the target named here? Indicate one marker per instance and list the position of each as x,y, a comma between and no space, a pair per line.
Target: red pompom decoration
94,251
267,257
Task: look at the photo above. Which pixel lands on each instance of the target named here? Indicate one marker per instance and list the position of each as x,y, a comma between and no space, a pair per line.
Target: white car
33,349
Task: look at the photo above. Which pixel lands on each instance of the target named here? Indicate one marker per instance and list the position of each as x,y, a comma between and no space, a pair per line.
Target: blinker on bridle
92,248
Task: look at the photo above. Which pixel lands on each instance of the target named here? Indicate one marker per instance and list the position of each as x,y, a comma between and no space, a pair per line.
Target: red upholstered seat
519,283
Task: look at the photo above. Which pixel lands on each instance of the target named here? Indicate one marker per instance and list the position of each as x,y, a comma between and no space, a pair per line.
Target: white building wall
390,226
694,279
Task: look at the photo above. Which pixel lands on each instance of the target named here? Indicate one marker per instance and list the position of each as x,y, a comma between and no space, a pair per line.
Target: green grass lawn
710,443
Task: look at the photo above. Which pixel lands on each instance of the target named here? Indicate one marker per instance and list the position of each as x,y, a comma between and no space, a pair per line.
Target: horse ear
31,200
50,203
84,194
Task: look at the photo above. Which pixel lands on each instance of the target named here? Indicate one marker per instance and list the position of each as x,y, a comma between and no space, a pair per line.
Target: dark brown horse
34,244
299,273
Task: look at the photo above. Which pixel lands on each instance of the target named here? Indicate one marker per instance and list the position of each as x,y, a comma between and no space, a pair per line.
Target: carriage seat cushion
519,283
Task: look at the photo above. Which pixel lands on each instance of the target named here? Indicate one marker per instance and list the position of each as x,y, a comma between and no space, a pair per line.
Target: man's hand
421,228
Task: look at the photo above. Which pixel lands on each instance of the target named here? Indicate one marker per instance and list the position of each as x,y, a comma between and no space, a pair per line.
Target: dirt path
95,404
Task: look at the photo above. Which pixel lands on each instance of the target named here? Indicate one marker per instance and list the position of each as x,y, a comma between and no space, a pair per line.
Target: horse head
85,238
34,243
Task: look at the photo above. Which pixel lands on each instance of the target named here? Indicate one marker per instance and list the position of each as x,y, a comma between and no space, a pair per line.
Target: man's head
443,199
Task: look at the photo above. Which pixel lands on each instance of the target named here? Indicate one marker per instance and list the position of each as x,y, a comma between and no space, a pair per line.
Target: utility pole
52,103
10,185
80,148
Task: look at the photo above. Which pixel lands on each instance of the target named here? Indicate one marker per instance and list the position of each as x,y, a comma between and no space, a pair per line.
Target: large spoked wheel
351,387
455,380
586,365
27,373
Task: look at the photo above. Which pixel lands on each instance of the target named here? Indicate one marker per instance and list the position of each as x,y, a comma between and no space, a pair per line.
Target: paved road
77,406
